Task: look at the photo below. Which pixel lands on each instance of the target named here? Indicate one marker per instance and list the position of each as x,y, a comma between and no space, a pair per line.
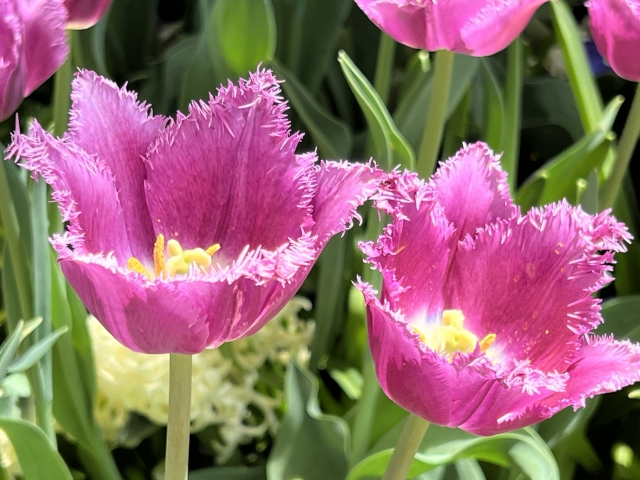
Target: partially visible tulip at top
615,28
85,13
187,233
486,316
472,27
33,42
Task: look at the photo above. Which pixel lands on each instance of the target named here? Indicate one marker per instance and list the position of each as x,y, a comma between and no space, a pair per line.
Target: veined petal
340,188
163,317
83,187
496,24
109,122
530,282
45,40
228,174
472,189
412,252
416,380
615,28
473,27
12,64
602,365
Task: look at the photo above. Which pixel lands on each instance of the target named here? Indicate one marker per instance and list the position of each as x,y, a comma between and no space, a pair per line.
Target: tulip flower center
451,336
179,261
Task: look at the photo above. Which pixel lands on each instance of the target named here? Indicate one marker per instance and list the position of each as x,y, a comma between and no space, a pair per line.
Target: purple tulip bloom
615,28
473,27
485,316
33,45
85,13
189,233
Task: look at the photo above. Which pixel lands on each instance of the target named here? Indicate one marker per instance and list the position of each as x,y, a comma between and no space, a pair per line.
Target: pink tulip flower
485,316
473,27
189,233
615,28
33,45
85,13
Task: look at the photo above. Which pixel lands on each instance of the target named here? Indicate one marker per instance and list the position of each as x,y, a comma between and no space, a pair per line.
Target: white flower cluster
224,380
8,457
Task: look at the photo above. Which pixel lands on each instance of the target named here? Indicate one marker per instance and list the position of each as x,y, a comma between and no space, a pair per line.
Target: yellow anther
455,318
173,248
213,249
451,336
197,256
176,265
158,255
135,265
487,341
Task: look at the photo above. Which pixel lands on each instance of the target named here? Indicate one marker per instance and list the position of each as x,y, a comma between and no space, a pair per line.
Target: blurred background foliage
521,100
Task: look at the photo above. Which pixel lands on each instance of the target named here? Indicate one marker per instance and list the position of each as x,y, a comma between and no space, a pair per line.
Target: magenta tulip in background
149,201
85,13
615,28
485,316
473,27
33,45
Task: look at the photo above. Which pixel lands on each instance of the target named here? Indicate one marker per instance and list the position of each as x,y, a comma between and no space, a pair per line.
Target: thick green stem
406,448
626,146
513,111
384,66
437,113
177,454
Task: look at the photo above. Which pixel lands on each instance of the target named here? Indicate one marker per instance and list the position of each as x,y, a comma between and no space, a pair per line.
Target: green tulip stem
178,426
437,113
626,146
406,448
384,66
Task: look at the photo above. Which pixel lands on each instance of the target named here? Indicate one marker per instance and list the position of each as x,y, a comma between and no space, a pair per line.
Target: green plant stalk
16,252
406,448
436,115
513,111
62,94
40,375
384,66
177,454
627,144
365,411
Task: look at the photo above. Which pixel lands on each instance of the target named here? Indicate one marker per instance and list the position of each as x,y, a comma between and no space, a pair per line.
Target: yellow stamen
135,265
197,256
173,248
158,255
487,341
451,336
212,249
177,265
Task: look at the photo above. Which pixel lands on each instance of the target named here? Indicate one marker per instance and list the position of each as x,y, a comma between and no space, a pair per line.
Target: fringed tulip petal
98,102
83,187
33,45
483,312
12,64
551,261
227,173
615,28
238,219
340,188
473,27
473,190
85,13
45,40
